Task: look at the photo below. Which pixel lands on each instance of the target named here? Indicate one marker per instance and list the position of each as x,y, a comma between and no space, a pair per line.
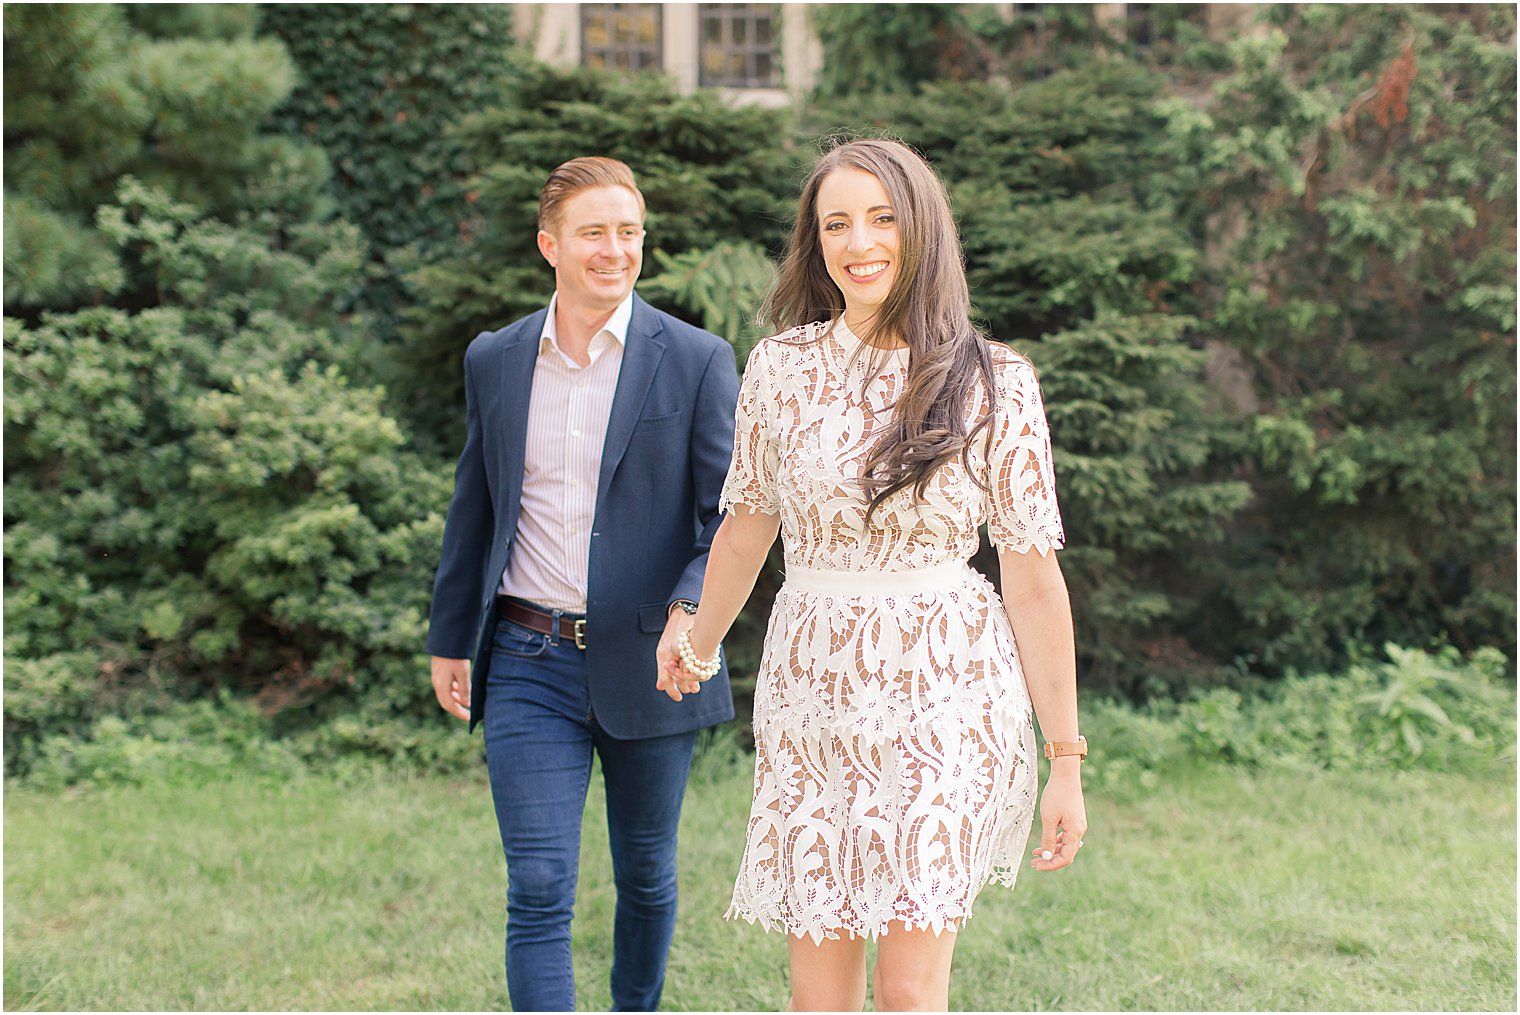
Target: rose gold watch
1066,748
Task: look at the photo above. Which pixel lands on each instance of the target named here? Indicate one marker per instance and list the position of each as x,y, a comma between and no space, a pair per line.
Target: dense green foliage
1358,209
90,98
196,495
1267,278
1413,711
892,49
380,86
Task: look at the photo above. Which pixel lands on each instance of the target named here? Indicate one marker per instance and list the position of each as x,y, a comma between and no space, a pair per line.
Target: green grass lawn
1219,890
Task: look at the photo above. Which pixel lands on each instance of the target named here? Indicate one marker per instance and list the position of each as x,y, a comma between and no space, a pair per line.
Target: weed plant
1415,710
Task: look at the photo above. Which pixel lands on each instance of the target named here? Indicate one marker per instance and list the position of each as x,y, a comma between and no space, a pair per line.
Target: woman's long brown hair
928,307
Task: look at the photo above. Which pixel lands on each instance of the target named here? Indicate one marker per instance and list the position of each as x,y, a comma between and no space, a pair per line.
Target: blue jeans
540,733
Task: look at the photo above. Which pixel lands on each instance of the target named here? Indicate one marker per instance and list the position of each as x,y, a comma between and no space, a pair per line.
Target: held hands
451,683
1063,818
674,678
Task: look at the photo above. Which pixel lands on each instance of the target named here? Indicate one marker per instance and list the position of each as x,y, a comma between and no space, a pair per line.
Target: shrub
200,741
90,97
1413,710
196,497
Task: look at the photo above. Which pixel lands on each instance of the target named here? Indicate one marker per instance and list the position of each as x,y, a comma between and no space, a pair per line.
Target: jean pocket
519,641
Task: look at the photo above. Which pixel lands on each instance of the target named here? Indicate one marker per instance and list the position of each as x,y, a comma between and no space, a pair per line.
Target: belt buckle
580,634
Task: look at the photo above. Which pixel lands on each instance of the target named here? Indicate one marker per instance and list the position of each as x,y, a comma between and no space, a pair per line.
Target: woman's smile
858,237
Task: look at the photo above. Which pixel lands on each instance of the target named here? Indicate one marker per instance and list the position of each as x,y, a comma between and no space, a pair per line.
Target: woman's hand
1063,817
674,678
738,551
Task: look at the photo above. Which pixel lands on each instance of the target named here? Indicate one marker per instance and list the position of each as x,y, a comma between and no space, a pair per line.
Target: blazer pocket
662,422
652,618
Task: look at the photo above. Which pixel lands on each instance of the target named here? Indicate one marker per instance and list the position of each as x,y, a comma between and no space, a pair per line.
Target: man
599,433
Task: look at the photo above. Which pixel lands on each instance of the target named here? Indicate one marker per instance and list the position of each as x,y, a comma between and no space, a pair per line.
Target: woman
895,768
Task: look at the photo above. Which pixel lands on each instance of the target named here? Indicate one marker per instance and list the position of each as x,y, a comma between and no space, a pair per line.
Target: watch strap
1066,748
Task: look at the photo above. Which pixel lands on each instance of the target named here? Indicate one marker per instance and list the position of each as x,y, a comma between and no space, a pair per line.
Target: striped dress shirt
568,412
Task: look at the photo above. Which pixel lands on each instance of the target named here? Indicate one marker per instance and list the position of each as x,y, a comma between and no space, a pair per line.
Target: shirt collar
616,326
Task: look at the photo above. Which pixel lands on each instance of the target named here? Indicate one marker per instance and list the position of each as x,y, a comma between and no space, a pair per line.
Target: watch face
688,607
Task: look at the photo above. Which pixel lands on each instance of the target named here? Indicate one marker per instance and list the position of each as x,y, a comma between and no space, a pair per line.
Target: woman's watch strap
1066,748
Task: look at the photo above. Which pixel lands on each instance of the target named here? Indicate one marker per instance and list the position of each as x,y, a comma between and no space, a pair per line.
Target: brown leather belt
519,612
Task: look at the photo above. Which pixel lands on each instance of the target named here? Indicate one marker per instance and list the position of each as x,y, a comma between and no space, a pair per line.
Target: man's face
596,248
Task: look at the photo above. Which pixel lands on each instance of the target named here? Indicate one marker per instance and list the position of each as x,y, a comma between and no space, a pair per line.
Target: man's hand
451,683
674,680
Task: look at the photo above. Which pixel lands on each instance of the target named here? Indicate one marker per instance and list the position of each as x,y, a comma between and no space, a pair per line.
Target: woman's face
857,233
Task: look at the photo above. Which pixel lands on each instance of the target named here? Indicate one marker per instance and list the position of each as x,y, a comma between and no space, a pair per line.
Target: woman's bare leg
913,969
828,976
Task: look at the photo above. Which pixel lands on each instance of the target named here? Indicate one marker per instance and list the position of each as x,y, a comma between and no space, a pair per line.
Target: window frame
590,13
749,51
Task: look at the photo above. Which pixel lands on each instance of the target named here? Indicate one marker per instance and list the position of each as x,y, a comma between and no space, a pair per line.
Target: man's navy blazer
669,441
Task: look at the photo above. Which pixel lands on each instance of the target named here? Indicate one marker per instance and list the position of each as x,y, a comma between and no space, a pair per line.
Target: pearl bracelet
703,669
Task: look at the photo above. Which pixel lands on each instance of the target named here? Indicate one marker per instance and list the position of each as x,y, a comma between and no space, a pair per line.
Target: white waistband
877,583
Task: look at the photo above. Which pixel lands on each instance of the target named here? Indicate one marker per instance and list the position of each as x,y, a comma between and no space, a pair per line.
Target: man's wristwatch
685,604
1066,748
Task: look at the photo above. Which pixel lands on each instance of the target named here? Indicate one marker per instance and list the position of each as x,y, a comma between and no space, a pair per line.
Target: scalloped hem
726,505
1043,547
770,924
773,921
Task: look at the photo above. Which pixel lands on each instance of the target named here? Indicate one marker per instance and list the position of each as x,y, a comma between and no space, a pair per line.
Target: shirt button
575,433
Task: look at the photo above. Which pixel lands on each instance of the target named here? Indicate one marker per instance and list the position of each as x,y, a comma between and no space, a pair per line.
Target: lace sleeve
752,476
1022,510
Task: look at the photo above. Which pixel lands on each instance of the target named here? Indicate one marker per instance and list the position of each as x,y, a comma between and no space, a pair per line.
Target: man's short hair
578,175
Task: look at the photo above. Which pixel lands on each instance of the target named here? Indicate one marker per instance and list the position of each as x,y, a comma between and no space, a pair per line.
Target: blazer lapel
641,356
515,388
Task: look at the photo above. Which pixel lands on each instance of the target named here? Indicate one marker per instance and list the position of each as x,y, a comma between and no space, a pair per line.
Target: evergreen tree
196,496
91,97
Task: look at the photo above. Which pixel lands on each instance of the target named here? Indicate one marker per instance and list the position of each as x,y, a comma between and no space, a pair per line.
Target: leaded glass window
739,45
621,36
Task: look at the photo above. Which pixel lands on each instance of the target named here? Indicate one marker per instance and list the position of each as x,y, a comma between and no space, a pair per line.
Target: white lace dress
894,766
